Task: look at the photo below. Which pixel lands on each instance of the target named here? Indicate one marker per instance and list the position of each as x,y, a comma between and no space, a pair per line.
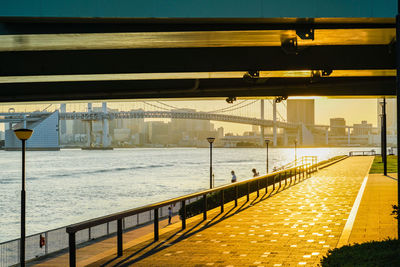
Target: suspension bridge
248,112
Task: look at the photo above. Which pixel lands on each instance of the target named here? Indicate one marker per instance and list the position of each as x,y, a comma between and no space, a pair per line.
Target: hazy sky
353,110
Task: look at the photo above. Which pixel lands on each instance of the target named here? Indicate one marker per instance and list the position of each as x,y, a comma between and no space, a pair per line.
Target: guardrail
362,153
57,239
298,161
310,165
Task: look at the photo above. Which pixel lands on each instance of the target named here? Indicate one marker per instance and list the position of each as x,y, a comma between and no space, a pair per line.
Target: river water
70,186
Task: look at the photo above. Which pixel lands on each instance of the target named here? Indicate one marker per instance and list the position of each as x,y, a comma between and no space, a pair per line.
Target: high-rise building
337,126
391,118
300,111
362,129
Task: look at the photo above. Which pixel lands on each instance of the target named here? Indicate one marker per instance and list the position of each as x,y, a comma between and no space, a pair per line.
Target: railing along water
308,166
362,153
58,239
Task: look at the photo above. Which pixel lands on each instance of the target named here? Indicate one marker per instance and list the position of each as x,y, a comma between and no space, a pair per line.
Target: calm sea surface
69,186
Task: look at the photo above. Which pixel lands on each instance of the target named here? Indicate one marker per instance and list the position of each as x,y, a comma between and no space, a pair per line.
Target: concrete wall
199,8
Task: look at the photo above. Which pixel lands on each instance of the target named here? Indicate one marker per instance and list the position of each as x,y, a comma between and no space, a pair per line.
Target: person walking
233,177
255,173
169,215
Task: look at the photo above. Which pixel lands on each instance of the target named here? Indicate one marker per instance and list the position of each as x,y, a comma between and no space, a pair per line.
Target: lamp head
210,139
23,134
266,141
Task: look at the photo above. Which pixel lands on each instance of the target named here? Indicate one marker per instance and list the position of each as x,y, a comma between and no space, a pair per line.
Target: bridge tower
63,123
105,137
275,137
262,143
89,129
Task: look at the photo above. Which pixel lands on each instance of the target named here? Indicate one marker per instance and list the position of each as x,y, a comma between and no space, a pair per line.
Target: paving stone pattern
295,226
374,221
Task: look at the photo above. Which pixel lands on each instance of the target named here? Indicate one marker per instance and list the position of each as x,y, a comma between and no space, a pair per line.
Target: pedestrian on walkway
255,173
169,215
233,177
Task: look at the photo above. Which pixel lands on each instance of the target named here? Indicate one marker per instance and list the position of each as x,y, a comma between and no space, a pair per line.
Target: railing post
273,185
72,250
183,206
119,237
266,185
290,175
258,188
280,179
285,178
248,191
46,244
204,206
222,200
156,235
90,233
236,196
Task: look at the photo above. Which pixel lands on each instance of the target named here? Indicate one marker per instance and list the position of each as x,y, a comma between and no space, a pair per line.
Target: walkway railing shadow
253,185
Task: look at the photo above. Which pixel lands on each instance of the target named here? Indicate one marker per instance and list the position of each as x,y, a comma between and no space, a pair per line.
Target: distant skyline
351,109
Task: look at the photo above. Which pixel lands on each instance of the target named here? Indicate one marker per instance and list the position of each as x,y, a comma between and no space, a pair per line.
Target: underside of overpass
50,59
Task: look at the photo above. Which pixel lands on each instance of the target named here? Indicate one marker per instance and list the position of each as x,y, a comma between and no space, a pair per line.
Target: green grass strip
377,165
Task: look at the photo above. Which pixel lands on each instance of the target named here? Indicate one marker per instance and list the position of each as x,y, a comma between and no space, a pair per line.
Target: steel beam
35,25
69,62
85,90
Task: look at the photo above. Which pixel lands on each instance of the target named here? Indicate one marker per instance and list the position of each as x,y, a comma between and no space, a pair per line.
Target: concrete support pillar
105,138
348,135
262,143
24,121
89,107
275,136
89,133
63,123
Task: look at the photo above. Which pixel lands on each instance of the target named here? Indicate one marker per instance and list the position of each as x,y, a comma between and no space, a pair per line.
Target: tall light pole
211,141
295,150
383,137
266,143
23,135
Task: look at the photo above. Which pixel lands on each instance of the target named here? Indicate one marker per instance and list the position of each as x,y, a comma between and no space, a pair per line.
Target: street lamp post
23,135
211,141
383,136
295,151
266,143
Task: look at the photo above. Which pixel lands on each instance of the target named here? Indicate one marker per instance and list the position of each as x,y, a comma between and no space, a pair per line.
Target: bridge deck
296,226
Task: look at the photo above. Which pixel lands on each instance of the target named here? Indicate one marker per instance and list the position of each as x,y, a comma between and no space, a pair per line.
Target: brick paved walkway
373,221
295,227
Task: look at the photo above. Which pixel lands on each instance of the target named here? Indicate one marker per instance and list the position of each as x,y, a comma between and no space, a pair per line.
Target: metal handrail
364,153
305,169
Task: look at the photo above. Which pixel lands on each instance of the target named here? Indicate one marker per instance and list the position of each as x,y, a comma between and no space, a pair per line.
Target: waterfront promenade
295,225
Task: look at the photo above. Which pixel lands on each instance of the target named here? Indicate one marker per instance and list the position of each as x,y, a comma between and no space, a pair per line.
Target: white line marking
344,237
